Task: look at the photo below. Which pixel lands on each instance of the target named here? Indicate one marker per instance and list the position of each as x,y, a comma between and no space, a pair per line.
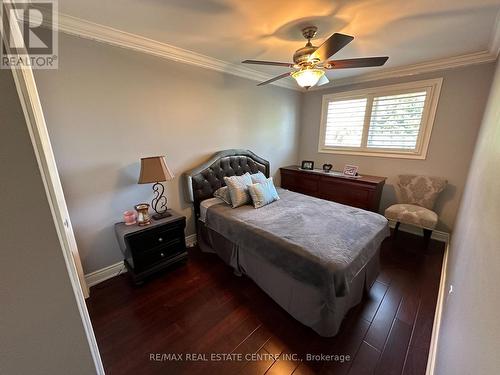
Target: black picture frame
307,165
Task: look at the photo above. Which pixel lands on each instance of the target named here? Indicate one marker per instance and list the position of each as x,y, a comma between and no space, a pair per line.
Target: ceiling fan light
308,77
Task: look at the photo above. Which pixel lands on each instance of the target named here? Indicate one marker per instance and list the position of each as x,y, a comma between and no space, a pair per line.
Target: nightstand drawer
159,254
156,237
154,247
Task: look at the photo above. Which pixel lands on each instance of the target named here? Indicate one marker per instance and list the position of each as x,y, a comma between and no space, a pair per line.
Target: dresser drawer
346,193
363,191
158,254
153,238
301,183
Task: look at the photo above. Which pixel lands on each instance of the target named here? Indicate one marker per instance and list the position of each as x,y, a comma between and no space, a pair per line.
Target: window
389,121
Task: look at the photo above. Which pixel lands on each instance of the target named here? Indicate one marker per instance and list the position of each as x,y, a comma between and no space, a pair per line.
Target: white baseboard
191,240
436,234
105,273
118,268
431,359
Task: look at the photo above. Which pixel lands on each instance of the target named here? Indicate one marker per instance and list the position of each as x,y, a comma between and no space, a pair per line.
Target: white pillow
258,177
263,193
238,189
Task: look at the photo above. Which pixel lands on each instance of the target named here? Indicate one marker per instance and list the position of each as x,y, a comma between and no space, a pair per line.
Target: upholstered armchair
416,196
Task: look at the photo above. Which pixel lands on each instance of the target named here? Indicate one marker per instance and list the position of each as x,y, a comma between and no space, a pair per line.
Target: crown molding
409,70
89,30
495,37
105,34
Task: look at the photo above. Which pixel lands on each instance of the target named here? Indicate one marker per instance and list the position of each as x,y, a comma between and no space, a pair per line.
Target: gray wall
461,105
41,329
106,107
470,329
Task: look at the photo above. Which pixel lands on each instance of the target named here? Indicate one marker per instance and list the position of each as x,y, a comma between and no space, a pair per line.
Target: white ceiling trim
105,34
90,30
495,37
409,70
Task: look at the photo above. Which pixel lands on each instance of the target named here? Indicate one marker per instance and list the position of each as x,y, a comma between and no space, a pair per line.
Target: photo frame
307,165
350,170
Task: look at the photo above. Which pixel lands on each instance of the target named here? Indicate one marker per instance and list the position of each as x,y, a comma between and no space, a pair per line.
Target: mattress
207,203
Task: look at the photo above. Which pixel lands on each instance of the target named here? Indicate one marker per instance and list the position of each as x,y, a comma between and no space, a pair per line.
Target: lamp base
163,215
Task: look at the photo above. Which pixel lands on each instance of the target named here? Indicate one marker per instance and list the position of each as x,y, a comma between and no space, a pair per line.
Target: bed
315,258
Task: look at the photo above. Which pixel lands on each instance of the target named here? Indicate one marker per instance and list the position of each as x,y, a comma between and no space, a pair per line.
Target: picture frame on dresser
307,165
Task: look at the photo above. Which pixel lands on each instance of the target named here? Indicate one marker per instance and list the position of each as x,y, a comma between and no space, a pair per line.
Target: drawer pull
162,255
160,239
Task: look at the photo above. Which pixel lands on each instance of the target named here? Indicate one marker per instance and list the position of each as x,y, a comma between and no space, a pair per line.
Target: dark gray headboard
201,182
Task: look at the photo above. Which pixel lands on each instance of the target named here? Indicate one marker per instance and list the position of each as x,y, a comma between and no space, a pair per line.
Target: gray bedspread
317,242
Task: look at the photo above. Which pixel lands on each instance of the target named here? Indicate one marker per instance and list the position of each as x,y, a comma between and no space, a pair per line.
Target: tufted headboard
201,182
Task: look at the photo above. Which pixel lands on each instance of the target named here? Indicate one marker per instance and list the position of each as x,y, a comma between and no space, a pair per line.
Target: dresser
362,191
151,248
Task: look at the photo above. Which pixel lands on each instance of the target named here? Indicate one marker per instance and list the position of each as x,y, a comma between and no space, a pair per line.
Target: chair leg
427,235
396,228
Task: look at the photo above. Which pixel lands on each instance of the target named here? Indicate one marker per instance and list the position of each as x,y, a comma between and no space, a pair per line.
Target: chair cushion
412,214
419,190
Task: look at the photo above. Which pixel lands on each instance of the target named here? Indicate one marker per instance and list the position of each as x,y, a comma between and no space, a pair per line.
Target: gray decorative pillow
223,193
263,193
238,189
258,177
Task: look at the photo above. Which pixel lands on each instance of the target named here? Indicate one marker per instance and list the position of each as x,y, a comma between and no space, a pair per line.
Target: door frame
37,128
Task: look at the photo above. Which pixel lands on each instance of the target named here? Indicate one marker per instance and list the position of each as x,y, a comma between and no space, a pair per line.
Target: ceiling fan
310,62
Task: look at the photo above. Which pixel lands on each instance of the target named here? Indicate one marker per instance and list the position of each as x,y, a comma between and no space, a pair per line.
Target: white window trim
433,88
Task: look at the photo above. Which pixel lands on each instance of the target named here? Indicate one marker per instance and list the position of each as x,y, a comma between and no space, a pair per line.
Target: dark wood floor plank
365,361
416,361
283,365
203,307
304,369
274,345
255,367
394,354
373,300
382,323
349,340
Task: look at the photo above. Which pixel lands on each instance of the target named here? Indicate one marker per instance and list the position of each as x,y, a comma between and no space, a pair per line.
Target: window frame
431,86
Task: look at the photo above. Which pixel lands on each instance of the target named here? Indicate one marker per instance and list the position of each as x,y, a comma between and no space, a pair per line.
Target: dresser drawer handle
160,239
162,255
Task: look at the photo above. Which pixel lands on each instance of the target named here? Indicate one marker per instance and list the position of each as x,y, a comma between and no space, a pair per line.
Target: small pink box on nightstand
129,217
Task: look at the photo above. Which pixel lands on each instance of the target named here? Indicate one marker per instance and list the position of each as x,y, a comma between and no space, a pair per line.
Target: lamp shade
154,169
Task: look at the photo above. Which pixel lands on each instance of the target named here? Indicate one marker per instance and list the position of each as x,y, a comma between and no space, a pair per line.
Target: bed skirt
305,302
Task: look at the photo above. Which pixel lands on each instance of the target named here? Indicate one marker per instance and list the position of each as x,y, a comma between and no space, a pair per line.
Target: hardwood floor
201,307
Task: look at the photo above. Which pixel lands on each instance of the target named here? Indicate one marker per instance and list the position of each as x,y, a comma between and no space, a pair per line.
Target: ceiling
409,32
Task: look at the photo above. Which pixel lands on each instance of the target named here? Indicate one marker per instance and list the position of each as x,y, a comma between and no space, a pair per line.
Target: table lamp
155,170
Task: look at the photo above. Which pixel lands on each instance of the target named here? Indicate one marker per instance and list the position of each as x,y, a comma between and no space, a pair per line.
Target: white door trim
431,359
35,121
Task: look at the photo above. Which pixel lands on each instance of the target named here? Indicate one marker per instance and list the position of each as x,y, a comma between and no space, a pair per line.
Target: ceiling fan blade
259,62
356,63
323,80
332,45
274,79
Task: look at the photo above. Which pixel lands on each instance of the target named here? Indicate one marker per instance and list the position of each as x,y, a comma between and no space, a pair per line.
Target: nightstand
151,248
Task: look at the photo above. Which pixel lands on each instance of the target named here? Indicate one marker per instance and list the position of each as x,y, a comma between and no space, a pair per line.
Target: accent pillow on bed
238,189
223,193
263,193
258,177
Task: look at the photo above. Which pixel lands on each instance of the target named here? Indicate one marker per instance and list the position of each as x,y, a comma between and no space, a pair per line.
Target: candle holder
143,217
